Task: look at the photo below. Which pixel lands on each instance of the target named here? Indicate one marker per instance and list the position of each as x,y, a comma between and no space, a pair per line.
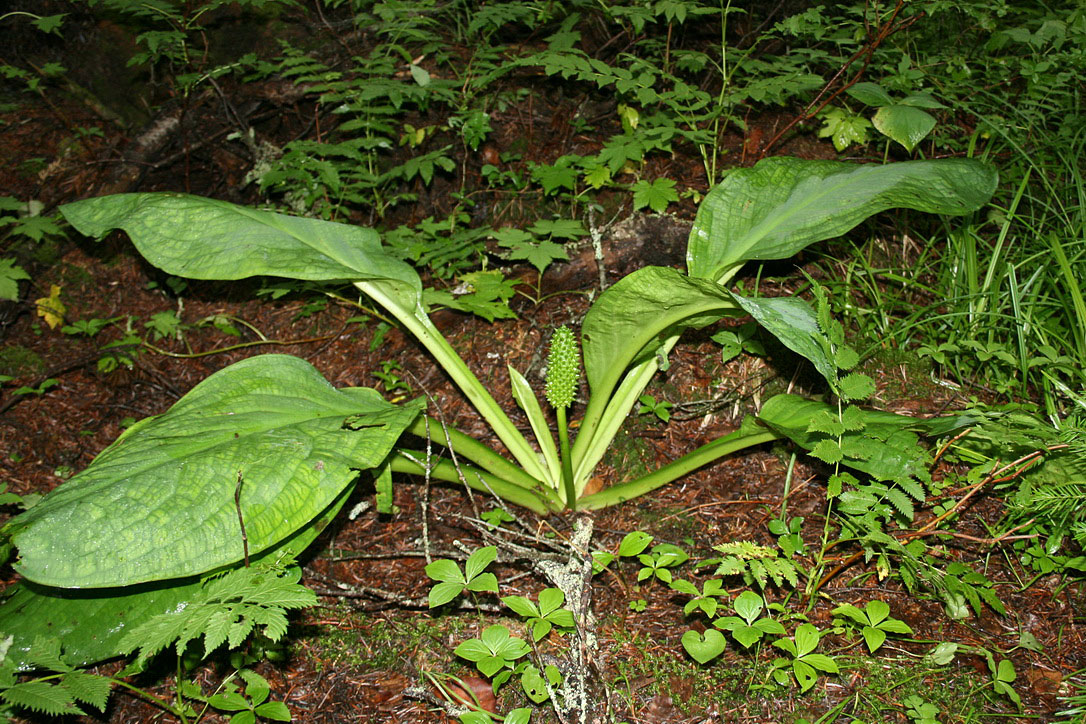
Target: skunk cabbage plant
157,509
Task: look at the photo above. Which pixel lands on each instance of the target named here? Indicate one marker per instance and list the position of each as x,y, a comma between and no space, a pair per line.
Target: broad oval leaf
521,606
444,592
904,124
747,636
201,238
877,611
159,503
444,569
870,94
634,542
625,322
91,623
748,605
782,205
822,663
806,639
479,560
873,637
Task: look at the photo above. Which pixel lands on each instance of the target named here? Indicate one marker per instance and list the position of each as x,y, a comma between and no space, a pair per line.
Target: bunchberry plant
543,616
451,581
649,405
920,711
800,660
494,650
875,622
748,626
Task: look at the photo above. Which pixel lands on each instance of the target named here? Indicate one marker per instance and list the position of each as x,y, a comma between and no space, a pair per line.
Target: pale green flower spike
563,366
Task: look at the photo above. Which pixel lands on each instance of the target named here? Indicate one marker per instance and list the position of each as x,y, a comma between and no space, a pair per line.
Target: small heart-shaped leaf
746,635
877,611
704,647
874,637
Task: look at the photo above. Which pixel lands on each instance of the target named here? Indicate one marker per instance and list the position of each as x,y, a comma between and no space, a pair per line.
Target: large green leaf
781,205
630,317
160,502
793,322
200,238
632,324
904,124
91,623
882,444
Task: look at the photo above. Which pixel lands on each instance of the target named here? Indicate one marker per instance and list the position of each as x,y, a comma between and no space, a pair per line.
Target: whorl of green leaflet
563,365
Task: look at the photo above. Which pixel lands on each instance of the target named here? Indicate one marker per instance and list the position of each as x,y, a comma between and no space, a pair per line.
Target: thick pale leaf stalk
567,465
471,449
388,295
540,499
738,440
635,323
525,397
590,449
159,503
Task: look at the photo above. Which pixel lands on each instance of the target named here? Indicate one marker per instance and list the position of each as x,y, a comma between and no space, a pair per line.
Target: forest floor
358,655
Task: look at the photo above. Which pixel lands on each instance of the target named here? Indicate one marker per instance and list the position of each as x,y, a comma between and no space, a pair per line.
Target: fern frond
88,688
901,502
41,697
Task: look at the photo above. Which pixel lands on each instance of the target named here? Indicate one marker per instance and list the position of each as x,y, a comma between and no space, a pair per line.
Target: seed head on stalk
563,365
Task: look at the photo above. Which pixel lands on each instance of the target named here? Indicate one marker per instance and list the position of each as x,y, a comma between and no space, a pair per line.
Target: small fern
755,563
227,610
54,694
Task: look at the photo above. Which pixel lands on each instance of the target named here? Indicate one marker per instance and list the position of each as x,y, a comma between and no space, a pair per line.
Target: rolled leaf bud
563,365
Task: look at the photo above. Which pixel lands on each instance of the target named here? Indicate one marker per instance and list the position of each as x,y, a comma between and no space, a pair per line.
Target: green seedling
632,544
920,711
876,622
659,562
801,659
705,600
451,581
738,340
494,650
496,518
704,647
391,380
249,704
649,405
749,626
538,685
518,716
788,535
546,615
1003,676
